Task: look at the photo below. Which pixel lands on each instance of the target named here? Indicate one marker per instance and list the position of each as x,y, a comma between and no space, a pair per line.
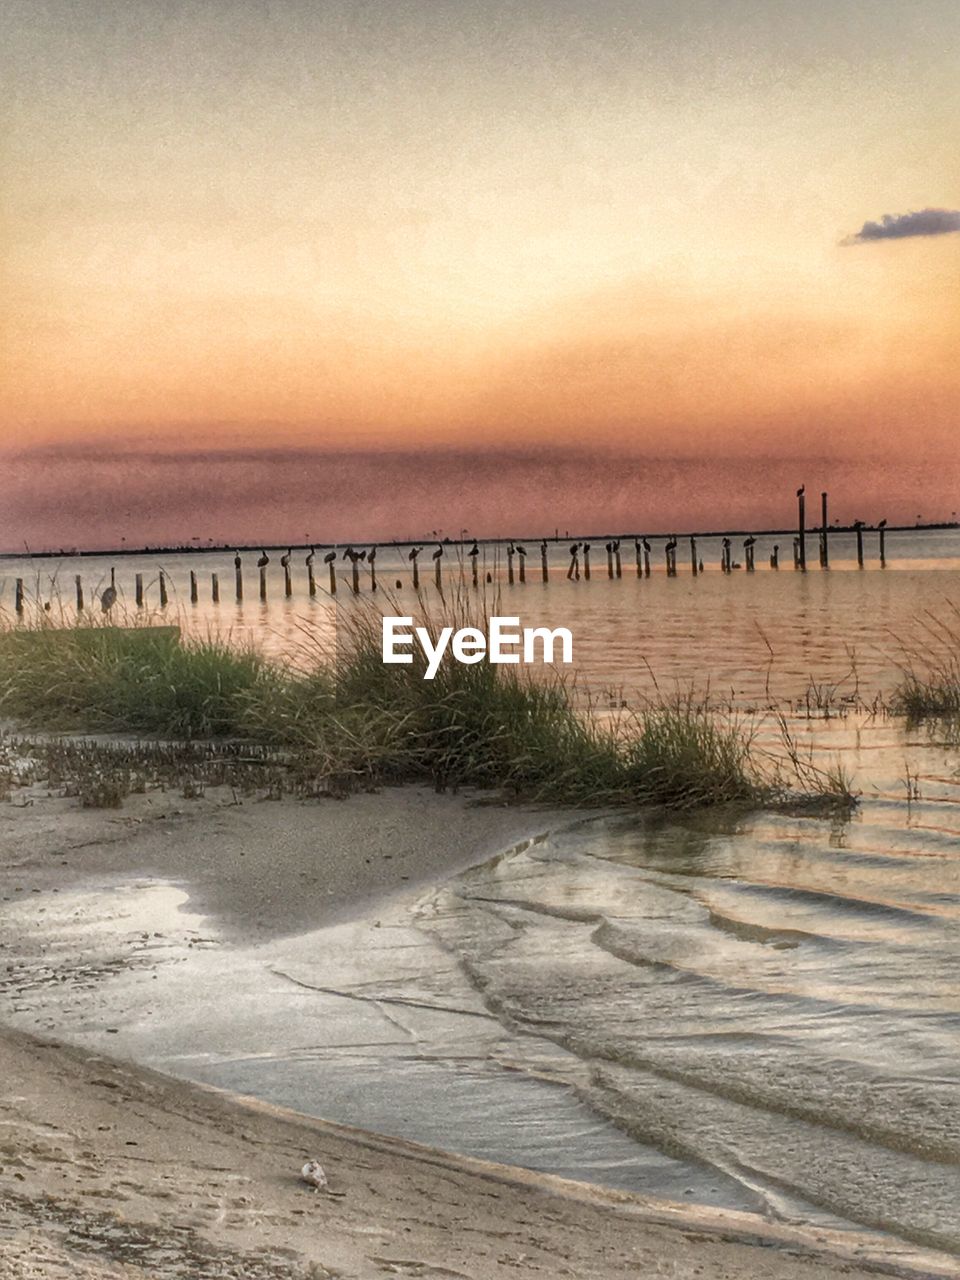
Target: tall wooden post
882,530
311,581
238,574
510,563
437,574
544,568
194,593
138,590
586,560
78,583
646,558
824,545
616,558
522,565
693,555
748,554
416,573
355,574
474,574
775,556
332,566
18,595
796,553
858,525
372,562
215,587
263,582
609,549
163,589
801,528
287,581
639,550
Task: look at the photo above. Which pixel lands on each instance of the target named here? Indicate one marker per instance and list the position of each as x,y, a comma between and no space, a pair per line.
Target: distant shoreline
813,531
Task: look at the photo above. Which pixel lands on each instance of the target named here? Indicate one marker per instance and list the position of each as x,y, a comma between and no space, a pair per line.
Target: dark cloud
900,226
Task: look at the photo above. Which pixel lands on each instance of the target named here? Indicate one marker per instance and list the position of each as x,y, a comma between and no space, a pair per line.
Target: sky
356,269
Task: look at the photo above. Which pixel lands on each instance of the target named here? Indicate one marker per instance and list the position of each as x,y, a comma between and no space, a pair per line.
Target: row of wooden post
614,566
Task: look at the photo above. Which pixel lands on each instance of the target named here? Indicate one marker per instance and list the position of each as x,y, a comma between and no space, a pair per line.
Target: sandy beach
109,1169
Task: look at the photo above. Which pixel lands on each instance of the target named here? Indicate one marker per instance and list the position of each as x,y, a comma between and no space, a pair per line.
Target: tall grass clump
140,680
929,665
346,720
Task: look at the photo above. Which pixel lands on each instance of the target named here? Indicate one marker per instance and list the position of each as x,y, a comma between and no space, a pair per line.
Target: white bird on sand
109,597
312,1173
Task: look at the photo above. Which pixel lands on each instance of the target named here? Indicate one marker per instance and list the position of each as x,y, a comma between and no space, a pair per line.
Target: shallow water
759,1010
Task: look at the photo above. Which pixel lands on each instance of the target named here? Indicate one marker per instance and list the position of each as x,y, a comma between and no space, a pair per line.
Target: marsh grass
98,676
343,720
929,665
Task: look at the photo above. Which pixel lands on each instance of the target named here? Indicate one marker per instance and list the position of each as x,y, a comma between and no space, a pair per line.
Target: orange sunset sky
352,269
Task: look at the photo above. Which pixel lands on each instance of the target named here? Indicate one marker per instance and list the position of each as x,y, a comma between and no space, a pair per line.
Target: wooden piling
882,530
371,562
801,528
824,526
138,590
238,574
796,553
78,583
544,568
332,566
646,560
215,588
748,554
616,558
355,574
263,582
609,550
194,593
416,575
287,581
725,563
522,566
510,565
163,589
586,560
311,581
693,555
775,556
858,525
474,573
18,595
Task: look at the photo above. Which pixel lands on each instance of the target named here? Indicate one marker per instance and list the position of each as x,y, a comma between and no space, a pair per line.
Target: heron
263,561
438,553
109,597
310,556
801,491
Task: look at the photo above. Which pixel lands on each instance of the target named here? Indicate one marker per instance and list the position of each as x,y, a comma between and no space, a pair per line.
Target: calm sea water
755,1010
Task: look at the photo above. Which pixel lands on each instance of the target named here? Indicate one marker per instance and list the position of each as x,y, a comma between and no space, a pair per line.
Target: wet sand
108,1169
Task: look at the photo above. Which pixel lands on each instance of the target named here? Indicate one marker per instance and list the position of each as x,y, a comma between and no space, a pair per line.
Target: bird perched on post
109,597
414,552
263,561
237,559
285,559
801,491
371,555
474,550
438,553
330,557
310,555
